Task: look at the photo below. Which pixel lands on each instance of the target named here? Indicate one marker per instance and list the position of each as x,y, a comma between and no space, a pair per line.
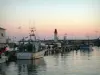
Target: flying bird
19,27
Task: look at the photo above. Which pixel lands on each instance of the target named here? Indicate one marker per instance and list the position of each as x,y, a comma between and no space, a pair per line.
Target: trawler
31,48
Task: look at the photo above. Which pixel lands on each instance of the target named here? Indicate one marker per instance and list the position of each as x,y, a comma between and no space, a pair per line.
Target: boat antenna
32,33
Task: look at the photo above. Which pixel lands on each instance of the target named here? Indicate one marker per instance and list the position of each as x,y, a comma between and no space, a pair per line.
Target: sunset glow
74,17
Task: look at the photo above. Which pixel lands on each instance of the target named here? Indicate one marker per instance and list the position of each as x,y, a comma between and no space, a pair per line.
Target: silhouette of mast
32,33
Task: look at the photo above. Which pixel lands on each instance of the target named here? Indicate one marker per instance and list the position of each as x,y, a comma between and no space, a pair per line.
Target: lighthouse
55,35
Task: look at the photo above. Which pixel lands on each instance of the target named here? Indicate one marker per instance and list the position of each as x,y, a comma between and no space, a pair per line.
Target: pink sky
76,18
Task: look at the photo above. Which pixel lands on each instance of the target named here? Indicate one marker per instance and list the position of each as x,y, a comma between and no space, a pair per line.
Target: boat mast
32,34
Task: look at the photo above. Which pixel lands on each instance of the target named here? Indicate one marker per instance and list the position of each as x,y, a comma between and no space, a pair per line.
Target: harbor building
2,37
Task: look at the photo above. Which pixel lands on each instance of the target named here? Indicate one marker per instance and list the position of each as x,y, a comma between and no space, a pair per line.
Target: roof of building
2,28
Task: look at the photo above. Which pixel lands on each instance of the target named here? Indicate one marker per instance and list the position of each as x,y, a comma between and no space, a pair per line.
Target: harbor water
76,62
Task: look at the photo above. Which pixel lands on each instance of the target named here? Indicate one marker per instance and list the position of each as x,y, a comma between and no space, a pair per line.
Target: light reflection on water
78,62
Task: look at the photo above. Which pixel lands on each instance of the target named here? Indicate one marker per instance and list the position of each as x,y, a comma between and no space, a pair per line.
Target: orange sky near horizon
74,17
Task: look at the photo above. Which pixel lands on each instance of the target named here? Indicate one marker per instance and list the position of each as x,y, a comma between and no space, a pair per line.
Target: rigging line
34,28
34,23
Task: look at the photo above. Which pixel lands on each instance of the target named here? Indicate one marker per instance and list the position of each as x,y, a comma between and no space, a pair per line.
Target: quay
62,49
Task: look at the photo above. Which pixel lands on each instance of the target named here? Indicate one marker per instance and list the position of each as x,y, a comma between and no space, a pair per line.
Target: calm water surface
69,63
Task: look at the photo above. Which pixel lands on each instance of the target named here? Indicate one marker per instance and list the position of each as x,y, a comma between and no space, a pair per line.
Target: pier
62,49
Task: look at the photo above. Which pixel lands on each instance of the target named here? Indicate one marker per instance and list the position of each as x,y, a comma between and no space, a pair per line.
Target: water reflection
76,62
31,67
23,67
12,69
2,68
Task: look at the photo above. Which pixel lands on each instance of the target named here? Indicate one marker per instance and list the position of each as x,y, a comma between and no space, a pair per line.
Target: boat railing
30,47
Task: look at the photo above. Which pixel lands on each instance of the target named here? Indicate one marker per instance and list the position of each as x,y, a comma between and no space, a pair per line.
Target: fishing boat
31,48
3,57
85,47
